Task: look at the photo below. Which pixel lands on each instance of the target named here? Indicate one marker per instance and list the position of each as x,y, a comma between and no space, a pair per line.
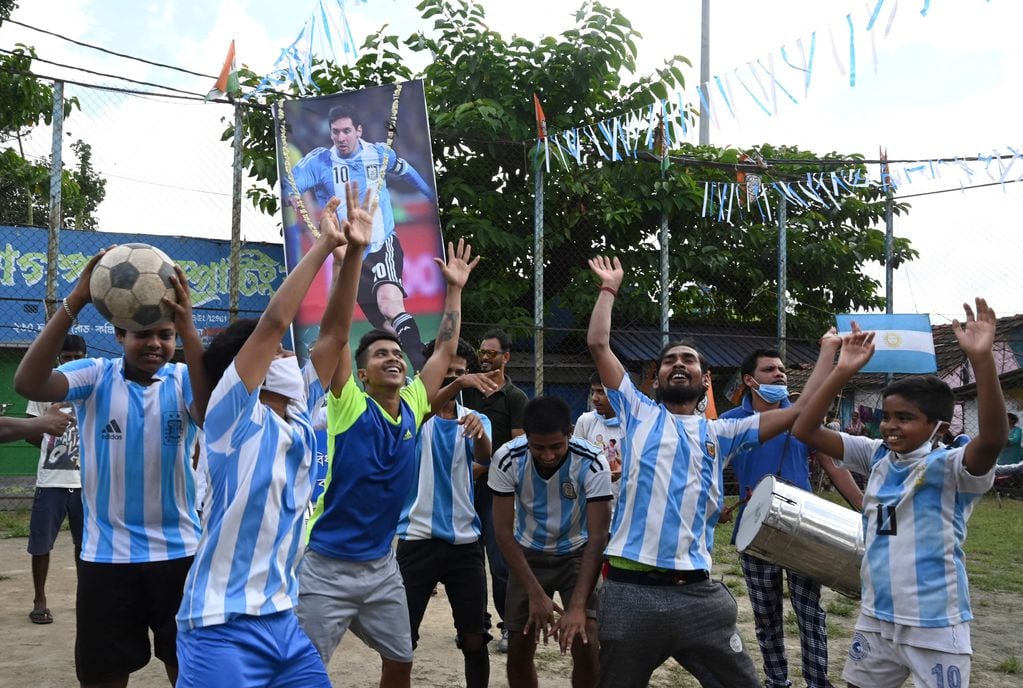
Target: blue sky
944,84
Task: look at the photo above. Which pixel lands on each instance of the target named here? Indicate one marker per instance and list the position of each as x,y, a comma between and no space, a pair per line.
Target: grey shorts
641,627
554,573
367,596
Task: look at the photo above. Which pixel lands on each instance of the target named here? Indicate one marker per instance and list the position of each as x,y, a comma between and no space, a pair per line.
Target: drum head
757,509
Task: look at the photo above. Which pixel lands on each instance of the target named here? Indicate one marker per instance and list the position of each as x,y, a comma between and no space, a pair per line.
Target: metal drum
798,530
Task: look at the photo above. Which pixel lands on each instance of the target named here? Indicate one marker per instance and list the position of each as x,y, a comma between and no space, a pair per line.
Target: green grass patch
14,523
841,607
994,559
1012,665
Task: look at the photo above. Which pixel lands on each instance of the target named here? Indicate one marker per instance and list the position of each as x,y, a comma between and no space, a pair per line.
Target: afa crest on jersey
568,490
711,449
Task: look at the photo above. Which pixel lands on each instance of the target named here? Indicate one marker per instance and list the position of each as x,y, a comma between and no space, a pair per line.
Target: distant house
863,394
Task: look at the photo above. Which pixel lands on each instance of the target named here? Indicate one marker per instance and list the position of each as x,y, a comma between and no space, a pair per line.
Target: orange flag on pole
711,410
541,119
227,82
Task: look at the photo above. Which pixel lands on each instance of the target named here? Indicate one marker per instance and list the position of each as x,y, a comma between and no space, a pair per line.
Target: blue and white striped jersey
136,442
440,502
325,172
672,477
550,513
260,484
914,523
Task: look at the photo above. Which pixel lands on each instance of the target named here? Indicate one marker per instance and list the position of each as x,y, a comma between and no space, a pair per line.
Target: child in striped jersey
138,418
915,610
236,621
552,496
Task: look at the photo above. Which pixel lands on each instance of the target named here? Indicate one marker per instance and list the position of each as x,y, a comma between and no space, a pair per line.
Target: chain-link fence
168,174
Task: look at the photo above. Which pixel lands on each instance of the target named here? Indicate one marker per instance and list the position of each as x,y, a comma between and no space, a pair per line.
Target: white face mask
925,448
285,378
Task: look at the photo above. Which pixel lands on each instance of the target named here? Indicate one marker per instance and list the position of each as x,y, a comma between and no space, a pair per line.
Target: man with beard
659,600
505,409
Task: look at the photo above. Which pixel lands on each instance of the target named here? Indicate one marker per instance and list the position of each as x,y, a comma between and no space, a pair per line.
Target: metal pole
665,307
56,174
236,214
783,259
538,281
889,248
704,70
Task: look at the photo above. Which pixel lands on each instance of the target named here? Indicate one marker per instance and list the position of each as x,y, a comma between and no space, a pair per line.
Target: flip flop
40,616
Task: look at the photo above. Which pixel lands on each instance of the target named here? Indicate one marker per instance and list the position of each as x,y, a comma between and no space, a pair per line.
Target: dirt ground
42,656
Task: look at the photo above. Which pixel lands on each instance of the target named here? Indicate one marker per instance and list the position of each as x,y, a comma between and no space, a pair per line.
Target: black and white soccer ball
129,283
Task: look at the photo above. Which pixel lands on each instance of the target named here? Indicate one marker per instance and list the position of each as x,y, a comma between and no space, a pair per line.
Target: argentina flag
903,343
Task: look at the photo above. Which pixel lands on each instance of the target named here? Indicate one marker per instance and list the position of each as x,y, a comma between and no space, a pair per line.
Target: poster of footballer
379,138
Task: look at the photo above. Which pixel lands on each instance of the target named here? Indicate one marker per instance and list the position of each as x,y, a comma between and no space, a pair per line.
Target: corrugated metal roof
721,346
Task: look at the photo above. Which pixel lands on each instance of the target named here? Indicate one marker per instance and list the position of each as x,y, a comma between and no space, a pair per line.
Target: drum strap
784,451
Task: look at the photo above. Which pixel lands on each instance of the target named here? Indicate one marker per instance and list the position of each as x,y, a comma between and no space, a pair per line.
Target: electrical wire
109,52
104,74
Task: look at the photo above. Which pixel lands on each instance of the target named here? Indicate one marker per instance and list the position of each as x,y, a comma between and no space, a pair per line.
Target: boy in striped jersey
348,576
137,419
552,496
439,530
659,600
237,624
915,608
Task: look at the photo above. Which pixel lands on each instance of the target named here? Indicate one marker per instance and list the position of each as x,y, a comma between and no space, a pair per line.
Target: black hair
749,364
930,394
500,335
344,111
370,338
224,347
464,350
1013,418
682,342
545,415
595,379
74,342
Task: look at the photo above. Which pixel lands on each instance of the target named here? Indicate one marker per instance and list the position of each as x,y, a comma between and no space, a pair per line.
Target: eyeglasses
489,353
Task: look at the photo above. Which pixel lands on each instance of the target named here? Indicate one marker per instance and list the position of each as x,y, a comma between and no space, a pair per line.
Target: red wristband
609,290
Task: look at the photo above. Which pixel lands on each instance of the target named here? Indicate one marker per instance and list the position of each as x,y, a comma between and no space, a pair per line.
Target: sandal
40,616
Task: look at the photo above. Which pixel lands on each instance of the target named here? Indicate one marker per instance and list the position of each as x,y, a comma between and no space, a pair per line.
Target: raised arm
857,348
331,355
36,378
259,350
775,422
456,273
598,336
976,338
191,343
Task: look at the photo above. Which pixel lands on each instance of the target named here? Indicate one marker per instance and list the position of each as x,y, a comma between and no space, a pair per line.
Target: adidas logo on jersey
408,435
112,431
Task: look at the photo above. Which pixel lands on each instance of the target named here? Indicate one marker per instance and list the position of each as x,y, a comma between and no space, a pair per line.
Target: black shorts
383,266
554,573
424,563
49,507
117,606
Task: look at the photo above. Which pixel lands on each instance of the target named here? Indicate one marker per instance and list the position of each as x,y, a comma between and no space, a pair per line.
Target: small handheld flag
903,343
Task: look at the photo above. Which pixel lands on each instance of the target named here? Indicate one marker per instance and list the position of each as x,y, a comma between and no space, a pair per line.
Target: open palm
459,264
977,334
608,270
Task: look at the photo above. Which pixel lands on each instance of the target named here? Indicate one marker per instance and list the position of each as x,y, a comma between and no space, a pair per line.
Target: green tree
479,96
25,103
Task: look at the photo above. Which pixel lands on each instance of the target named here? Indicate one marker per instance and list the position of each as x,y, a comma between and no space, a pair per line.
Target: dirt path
42,656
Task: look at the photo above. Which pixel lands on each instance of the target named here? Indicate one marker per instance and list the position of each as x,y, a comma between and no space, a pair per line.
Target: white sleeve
501,476
968,482
857,453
